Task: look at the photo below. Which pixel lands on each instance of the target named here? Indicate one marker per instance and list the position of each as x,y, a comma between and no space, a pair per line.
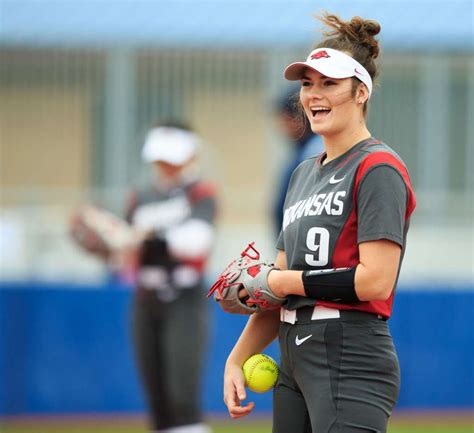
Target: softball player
345,222
170,313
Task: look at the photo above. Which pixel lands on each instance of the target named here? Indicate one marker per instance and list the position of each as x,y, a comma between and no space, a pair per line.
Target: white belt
319,313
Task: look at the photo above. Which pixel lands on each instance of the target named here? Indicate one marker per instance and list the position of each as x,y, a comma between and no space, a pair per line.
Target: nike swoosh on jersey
299,341
334,180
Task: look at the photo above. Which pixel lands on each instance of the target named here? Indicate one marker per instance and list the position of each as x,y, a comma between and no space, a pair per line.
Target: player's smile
319,111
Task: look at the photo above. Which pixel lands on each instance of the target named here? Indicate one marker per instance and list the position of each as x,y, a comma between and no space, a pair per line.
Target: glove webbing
222,281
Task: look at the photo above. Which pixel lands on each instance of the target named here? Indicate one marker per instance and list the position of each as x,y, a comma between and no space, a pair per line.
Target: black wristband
335,285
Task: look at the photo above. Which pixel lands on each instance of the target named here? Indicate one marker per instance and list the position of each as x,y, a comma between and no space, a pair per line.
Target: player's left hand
243,286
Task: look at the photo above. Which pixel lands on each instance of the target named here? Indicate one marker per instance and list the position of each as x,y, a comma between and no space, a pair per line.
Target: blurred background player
170,315
304,143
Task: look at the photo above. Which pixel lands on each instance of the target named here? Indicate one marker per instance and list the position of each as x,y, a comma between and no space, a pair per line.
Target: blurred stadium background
81,81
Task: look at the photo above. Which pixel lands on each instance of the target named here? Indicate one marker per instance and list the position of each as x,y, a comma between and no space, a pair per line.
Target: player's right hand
234,392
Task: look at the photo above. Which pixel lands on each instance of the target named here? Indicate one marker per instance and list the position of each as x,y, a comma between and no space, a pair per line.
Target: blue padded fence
66,349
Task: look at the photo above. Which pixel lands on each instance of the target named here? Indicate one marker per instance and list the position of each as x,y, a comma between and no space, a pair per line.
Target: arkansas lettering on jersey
317,204
363,195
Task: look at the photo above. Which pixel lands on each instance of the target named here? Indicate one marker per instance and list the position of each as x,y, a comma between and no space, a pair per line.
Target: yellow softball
260,372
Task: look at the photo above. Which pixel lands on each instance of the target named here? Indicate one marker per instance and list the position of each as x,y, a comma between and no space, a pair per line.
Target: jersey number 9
317,241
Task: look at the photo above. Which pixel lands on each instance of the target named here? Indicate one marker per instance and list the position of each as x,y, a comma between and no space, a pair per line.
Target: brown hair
355,37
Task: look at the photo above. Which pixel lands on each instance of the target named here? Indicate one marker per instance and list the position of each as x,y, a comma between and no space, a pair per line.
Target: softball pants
338,375
170,343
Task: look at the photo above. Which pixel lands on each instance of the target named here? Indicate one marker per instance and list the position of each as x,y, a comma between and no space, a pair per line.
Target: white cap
331,63
172,145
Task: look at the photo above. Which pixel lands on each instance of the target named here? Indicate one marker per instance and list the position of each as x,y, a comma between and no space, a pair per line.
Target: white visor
172,145
331,63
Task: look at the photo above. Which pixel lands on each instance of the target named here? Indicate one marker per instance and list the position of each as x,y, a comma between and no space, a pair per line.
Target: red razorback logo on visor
319,55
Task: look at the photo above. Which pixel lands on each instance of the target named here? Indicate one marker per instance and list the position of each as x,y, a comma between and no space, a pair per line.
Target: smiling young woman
340,249
333,111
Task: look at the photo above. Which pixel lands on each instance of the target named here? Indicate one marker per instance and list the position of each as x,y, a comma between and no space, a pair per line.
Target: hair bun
369,27
364,31
356,31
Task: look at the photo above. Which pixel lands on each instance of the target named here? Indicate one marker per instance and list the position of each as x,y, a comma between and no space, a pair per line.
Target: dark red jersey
363,195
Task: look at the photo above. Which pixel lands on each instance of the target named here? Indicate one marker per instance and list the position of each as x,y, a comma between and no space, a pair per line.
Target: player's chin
320,129
320,126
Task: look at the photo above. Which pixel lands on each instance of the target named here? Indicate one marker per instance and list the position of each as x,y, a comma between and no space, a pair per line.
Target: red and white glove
250,273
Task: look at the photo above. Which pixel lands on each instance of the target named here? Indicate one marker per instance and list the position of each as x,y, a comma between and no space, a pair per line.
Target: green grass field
425,423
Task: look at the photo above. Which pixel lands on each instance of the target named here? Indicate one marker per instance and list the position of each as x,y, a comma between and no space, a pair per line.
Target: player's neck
338,144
